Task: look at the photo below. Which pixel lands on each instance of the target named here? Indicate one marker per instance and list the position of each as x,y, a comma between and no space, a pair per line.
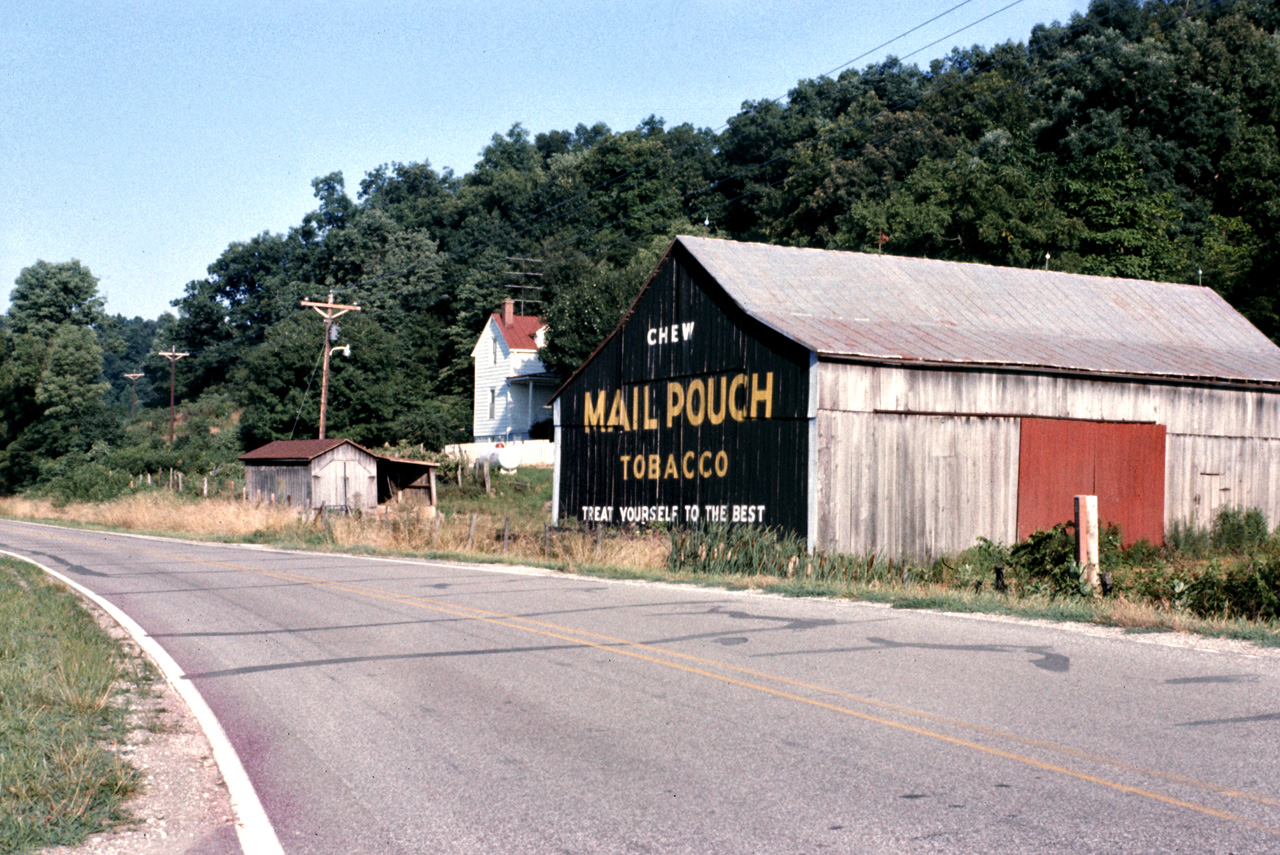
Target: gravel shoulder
184,806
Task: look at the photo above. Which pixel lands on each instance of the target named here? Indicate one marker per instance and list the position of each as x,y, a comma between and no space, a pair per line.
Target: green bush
74,479
1237,531
725,550
1249,590
1046,562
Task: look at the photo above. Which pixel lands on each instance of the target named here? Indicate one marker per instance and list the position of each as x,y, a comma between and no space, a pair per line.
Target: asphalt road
399,706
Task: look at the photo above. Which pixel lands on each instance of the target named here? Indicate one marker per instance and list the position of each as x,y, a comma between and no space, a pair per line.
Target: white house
512,386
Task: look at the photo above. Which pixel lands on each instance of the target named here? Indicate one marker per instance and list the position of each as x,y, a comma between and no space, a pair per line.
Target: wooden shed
333,473
907,406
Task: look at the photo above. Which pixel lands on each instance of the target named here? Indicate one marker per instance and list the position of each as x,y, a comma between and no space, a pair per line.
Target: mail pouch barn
907,406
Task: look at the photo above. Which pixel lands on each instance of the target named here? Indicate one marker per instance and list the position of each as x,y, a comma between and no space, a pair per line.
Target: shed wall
284,483
344,477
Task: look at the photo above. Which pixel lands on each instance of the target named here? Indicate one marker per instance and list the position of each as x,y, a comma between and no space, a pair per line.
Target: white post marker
257,836
1087,538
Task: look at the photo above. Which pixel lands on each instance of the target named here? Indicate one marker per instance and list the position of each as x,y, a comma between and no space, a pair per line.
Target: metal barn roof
863,306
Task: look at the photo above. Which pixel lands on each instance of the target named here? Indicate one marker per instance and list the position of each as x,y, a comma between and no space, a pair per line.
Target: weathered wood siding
691,412
920,486
284,483
1183,409
345,477
1213,473
1232,432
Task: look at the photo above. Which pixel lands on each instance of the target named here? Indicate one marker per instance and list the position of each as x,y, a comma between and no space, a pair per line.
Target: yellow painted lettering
697,392
650,422
594,414
686,463
764,395
637,466
722,464
714,417
704,464
655,467
739,382
670,471
635,408
624,458
618,412
675,401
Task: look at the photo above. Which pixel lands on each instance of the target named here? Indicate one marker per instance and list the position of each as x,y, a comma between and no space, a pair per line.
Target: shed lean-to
908,406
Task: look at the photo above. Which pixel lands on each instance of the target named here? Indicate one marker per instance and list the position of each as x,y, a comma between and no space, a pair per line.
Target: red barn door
1121,464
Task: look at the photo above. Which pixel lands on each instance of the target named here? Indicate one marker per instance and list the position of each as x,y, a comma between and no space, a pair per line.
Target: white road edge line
257,836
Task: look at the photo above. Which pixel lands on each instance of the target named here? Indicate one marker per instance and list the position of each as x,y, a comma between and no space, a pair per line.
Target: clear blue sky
143,137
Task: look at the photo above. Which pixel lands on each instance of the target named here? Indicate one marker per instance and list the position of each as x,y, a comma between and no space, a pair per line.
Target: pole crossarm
329,311
133,379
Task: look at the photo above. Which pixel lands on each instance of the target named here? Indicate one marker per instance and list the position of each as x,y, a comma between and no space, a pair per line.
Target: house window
493,402
496,354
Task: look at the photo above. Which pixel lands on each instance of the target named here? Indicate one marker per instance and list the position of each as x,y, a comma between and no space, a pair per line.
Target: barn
906,407
333,473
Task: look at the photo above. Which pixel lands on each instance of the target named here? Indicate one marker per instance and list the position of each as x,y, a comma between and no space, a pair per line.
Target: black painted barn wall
645,395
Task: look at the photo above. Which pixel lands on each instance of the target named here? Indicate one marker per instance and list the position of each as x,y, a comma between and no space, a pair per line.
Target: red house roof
521,333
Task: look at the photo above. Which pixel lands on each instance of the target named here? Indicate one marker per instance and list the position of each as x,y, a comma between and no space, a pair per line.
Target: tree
50,390
46,295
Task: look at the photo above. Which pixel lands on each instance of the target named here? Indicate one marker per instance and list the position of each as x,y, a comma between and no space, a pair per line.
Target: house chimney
508,312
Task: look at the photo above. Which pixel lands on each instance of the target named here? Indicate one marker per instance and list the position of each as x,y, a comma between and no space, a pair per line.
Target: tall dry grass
395,528
417,530
161,512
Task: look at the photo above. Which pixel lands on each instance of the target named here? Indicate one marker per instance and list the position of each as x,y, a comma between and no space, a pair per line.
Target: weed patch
63,690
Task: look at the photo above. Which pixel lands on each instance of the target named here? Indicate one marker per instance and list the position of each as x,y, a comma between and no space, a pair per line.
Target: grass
64,689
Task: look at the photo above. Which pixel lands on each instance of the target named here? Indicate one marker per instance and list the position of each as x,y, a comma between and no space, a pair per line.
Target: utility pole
173,357
329,311
133,407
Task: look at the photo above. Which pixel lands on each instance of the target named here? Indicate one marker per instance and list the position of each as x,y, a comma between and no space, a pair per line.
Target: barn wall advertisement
690,412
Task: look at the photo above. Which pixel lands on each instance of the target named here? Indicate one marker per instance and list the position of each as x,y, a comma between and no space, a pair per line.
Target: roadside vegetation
1221,581
64,692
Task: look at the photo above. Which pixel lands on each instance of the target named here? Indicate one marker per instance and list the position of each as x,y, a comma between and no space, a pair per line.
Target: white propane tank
508,456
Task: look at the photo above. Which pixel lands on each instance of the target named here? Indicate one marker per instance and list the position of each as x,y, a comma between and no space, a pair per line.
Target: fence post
206,486
471,535
1087,538
506,527
546,540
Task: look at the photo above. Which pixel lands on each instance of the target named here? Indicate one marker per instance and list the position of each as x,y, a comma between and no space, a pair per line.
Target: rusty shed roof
299,450
880,307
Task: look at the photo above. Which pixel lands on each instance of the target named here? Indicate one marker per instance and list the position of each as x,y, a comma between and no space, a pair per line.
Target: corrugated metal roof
522,334
865,306
297,449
